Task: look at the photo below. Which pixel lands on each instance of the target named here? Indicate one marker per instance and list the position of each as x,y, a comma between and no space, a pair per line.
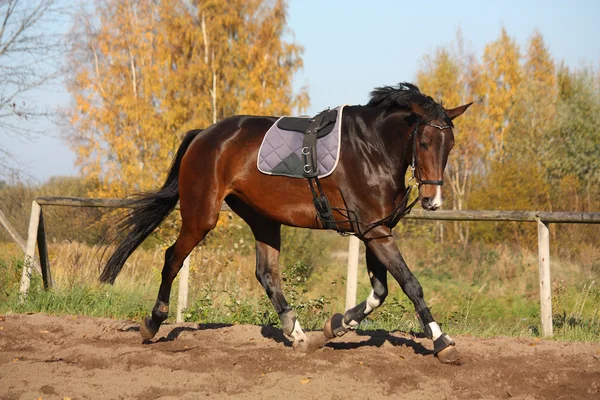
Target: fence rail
37,234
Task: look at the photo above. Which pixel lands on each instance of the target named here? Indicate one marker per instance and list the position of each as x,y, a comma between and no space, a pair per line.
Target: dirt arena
73,357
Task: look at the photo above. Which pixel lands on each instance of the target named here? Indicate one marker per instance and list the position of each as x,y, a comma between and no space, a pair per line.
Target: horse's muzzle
428,204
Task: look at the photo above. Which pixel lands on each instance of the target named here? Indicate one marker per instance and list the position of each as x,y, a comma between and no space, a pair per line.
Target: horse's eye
424,145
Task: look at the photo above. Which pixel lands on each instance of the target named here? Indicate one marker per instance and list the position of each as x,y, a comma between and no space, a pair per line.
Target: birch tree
148,71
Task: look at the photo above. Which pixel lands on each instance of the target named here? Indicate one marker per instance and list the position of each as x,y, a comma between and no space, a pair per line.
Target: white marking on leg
437,200
298,334
372,302
436,332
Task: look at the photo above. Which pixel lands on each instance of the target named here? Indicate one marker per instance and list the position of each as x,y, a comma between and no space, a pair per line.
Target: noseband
415,164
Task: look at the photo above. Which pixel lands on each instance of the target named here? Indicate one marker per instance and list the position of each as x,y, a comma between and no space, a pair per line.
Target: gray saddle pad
281,150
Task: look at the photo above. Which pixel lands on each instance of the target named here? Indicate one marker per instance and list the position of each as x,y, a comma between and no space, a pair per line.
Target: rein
398,212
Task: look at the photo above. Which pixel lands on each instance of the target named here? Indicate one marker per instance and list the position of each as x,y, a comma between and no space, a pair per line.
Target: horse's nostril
426,202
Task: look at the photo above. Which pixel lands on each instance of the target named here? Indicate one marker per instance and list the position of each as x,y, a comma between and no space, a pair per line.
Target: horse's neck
385,137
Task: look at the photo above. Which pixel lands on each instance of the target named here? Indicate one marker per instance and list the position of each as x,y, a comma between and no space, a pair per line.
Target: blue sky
352,46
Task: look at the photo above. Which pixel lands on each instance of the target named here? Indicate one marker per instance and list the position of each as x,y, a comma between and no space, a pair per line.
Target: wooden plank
43,252
500,215
473,215
352,275
79,202
182,295
34,221
93,202
570,217
442,215
18,239
12,231
448,215
545,281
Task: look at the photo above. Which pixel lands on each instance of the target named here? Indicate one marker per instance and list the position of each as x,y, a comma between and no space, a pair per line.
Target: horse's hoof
301,346
334,327
449,355
146,329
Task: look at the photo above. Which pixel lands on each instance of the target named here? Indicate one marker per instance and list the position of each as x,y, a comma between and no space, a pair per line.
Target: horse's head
431,140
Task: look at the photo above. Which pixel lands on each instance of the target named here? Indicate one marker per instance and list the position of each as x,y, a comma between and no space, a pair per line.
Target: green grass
92,300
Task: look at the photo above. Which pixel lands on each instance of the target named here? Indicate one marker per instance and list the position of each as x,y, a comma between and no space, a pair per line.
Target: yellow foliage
502,147
147,72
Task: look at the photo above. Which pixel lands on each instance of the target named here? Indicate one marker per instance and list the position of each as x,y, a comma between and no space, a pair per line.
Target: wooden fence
37,234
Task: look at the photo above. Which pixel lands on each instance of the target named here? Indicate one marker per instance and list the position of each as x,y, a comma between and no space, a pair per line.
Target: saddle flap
300,124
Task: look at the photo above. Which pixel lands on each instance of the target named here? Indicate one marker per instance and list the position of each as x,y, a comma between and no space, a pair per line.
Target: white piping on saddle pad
339,149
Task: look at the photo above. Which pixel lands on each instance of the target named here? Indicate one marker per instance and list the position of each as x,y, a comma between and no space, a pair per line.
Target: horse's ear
458,111
417,109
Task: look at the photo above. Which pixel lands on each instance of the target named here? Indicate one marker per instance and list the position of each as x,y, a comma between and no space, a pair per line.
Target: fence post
545,281
43,251
182,296
32,233
352,276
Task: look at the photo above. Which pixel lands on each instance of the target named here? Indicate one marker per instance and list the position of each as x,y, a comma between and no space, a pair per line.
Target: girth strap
309,143
311,168
324,212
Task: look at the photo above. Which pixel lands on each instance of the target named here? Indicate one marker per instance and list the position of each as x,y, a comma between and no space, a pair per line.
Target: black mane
404,94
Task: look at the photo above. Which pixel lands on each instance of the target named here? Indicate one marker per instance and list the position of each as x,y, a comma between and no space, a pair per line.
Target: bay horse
399,128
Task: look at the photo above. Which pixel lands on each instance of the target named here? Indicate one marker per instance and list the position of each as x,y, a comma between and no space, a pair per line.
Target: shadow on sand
371,338
378,338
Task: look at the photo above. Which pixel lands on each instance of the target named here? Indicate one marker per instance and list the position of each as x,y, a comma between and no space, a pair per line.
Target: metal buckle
305,151
305,169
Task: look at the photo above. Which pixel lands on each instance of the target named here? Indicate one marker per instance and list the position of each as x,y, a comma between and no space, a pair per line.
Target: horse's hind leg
339,324
199,216
267,234
174,257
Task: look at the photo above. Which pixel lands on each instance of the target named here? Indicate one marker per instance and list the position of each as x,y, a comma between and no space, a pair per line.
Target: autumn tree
537,100
501,76
574,141
519,174
516,119
452,77
148,71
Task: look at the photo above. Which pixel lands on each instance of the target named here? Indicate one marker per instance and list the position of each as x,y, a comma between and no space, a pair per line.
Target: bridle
415,164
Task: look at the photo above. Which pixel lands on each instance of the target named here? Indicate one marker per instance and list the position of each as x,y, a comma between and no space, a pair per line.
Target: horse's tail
147,211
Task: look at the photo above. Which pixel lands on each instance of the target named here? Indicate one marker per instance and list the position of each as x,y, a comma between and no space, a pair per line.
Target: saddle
301,124
312,128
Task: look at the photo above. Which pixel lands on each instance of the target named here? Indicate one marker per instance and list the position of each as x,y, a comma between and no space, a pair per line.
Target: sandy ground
74,357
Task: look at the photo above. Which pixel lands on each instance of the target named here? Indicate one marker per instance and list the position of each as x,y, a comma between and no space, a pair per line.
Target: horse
399,128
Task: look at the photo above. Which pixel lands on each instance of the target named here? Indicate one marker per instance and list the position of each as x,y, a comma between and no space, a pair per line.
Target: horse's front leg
339,324
386,252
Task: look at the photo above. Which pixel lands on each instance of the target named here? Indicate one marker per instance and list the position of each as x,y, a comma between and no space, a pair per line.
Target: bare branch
29,59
